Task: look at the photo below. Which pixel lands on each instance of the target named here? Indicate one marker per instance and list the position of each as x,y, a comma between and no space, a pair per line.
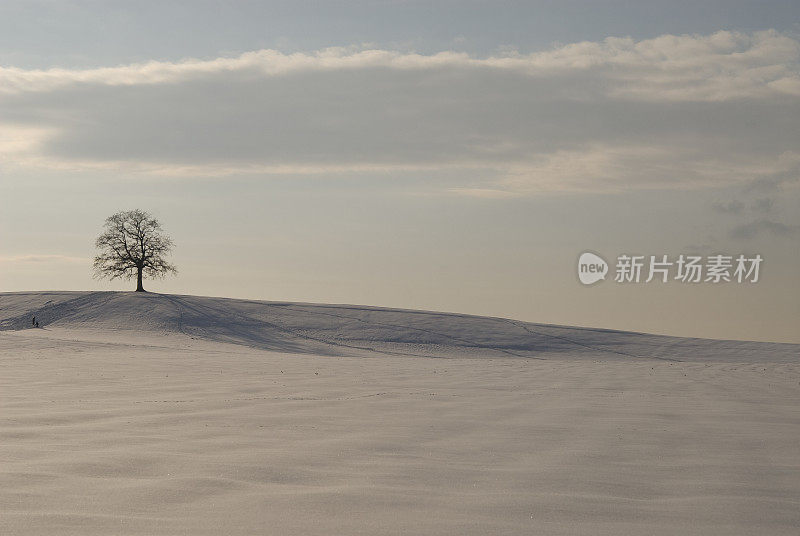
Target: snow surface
135,413
356,330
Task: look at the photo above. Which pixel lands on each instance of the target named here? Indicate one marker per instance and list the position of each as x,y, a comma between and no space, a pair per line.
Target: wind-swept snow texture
148,414
357,330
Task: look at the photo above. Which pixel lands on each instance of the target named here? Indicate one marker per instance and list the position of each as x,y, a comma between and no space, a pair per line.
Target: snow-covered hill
357,330
140,414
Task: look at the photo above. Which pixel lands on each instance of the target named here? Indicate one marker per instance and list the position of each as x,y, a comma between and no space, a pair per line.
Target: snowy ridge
358,330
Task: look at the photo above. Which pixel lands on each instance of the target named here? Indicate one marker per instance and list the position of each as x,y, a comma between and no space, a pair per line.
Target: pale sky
454,156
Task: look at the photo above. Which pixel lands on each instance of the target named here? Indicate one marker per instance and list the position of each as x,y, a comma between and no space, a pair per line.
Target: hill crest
357,330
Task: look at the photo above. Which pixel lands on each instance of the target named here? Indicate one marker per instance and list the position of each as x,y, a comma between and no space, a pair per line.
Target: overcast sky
454,156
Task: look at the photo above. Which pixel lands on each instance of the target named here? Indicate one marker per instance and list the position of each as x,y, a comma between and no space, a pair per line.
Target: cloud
604,167
41,258
19,140
670,112
731,207
725,65
756,209
484,193
755,228
763,205
788,173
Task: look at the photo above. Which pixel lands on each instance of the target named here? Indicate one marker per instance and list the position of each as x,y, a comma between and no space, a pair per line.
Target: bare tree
133,244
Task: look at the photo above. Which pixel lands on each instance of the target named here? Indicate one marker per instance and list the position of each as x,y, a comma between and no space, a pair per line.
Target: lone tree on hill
133,244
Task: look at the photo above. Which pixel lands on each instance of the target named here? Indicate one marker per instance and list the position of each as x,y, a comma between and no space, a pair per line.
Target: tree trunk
139,287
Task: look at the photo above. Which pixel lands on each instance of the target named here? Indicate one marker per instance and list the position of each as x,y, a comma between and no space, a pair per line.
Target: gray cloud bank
763,226
671,112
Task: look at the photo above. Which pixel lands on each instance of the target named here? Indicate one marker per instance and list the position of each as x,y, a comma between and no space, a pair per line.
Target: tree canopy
133,244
